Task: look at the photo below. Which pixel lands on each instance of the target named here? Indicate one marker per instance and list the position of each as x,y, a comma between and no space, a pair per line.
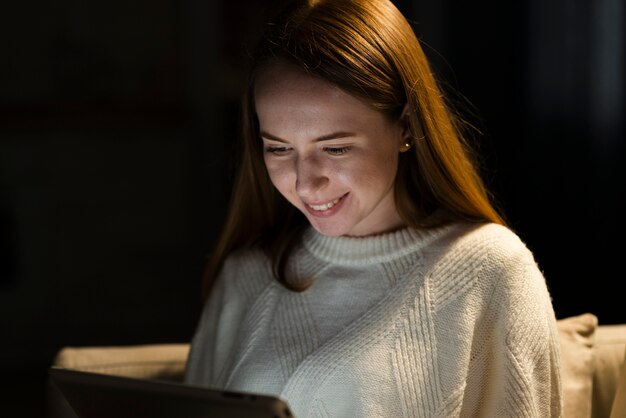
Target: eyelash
337,150
330,150
276,150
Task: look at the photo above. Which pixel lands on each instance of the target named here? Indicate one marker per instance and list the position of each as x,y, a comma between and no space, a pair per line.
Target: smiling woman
363,270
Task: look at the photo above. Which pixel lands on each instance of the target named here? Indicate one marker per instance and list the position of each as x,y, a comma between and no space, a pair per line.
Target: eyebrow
334,135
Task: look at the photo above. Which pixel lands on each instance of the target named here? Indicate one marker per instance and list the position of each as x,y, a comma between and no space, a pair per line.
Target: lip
328,212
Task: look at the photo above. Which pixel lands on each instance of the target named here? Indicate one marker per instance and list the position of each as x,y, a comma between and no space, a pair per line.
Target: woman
363,270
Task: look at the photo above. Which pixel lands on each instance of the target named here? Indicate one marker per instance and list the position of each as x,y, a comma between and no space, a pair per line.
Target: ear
405,137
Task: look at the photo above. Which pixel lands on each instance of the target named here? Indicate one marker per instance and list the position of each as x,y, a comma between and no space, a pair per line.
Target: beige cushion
619,403
576,335
608,348
150,361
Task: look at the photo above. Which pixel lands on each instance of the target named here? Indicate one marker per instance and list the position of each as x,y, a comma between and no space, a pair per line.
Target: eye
337,150
277,150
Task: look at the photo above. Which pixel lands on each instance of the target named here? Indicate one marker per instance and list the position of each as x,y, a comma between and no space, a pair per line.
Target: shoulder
487,245
487,271
244,258
507,266
246,271
482,260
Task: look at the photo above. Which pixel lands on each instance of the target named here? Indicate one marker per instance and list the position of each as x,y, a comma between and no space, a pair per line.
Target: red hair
367,48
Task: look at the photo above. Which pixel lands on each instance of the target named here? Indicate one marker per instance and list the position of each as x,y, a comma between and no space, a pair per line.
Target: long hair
368,49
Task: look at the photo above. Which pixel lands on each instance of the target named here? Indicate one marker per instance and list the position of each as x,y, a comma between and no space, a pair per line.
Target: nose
310,176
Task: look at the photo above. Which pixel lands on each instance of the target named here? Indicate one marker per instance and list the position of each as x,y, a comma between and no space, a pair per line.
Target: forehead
284,91
282,80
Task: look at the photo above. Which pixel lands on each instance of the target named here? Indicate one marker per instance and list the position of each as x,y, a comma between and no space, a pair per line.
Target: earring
409,143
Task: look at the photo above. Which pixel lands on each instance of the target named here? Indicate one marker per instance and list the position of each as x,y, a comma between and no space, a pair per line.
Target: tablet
96,395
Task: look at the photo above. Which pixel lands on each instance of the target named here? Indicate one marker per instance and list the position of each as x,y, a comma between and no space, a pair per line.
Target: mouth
326,209
325,206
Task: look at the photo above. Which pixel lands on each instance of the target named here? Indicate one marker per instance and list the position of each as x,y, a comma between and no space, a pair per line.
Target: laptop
96,395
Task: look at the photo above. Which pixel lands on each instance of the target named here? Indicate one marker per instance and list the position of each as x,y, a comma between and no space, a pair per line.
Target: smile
325,206
326,209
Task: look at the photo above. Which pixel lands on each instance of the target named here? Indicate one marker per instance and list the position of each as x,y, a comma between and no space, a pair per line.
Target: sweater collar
373,249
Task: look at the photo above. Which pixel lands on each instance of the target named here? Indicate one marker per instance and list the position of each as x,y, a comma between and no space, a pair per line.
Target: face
328,153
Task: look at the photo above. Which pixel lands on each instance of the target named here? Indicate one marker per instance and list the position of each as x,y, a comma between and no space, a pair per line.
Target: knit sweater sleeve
219,324
204,353
515,361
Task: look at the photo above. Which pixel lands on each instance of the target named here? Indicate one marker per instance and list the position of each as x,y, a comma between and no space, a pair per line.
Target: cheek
371,173
387,163
279,173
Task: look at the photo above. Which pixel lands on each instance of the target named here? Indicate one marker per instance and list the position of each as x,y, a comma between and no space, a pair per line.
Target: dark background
117,122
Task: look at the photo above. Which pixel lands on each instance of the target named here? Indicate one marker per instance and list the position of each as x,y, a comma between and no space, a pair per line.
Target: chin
330,230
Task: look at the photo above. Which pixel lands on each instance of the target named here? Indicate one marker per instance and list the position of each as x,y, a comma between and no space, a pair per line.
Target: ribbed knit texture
456,321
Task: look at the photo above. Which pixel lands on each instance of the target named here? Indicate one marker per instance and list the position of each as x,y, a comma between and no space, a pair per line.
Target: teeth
325,206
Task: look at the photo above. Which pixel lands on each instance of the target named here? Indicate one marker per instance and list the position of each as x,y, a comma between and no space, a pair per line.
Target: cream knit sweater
456,321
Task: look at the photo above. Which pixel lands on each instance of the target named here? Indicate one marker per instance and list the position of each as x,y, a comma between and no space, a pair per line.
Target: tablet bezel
98,395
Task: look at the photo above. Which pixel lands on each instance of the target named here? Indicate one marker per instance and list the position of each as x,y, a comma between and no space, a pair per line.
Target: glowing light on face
328,153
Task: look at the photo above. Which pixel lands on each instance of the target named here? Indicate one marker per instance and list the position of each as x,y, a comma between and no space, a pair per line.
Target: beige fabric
608,348
576,334
619,403
151,361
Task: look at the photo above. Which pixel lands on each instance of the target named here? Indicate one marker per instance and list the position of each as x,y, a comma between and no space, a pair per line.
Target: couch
593,367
